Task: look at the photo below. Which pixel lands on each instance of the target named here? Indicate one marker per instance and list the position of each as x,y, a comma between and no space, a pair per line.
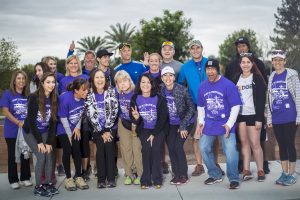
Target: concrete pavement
195,189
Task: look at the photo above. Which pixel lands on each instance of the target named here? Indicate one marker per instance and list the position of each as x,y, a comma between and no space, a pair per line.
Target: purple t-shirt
217,99
284,109
59,76
124,102
43,124
155,75
17,106
101,109
173,117
147,109
71,109
63,83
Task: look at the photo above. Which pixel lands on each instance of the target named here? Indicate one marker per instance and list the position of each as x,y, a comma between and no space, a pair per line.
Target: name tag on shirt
287,105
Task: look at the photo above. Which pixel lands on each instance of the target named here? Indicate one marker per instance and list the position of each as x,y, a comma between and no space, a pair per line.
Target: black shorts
249,119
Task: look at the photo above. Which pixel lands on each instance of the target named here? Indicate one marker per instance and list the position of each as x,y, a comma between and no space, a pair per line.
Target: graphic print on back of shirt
215,104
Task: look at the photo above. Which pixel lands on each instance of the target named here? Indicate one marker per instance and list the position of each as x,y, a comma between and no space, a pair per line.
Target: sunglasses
246,54
275,52
124,45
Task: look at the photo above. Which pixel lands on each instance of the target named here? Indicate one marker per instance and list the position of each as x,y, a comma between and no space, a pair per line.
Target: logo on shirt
279,91
214,102
148,112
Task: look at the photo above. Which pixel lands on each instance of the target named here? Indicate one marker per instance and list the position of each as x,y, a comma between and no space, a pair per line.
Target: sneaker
111,184
281,179
183,180
143,187
70,184
175,181
51,188
15,185
199,169
240,166
266,167
80,183
261,176
247,175
85,175
41,191
211,181
26,183
127,181
234,185
290,180
165,168
223,173
60,170
101,185
157,186
137,181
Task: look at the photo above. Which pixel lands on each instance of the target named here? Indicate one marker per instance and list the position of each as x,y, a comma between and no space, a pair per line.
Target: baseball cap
103,52
124,44
196,42
167,43
213,63
242,40
278,53
167,69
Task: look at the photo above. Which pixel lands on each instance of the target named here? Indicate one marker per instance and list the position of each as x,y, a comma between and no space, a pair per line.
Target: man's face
196,52
167,52
211,73
242,48
104,60
89,60
126,53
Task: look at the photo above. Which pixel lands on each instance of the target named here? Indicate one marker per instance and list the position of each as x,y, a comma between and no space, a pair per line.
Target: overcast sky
42,28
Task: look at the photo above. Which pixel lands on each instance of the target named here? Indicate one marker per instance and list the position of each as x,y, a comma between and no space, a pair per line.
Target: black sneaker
223,173
85,175
183,179
41,191
266,167
234,185
211,181
52,189
175,181
111,184
101,185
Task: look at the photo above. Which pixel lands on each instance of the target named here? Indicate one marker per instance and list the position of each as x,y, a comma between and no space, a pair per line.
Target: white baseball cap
167,69
278,53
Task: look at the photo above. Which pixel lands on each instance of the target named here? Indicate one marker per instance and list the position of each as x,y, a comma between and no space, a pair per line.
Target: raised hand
135,113
146,59
72,46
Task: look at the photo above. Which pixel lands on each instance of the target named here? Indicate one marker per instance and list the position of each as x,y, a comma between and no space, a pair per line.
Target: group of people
148,106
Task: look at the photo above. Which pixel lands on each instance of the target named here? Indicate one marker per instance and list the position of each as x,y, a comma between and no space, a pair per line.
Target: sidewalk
195,189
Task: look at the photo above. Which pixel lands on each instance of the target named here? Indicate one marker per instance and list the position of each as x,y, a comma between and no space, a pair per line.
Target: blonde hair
158,56
123,75
69,59
47,58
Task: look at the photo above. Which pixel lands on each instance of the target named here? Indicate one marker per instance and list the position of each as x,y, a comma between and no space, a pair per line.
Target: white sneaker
26,183
15,185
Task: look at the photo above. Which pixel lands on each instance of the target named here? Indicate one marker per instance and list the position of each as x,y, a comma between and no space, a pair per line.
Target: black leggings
85,144
285,136
69,150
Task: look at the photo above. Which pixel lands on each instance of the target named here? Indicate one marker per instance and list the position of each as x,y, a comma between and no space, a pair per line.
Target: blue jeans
229,149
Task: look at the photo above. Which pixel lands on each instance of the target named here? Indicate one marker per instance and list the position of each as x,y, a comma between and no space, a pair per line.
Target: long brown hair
12,86
254,69
42,98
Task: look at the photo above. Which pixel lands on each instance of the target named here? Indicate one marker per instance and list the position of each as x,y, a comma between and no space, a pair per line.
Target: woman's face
278,63
246,65
39,71
52,65
82,92
99,80
168,79
154,63
123,84
145,85
73,66
49,84
20,82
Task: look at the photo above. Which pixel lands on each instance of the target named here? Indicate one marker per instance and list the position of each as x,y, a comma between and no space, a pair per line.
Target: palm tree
92,43
119,34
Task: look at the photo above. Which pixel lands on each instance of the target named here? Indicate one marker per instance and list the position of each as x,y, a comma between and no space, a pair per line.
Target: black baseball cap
103,52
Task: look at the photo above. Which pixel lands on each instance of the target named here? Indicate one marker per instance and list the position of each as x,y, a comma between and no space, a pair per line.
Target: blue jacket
133,68
189,72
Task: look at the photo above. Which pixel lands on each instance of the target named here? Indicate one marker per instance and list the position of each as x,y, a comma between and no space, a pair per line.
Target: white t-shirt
245,88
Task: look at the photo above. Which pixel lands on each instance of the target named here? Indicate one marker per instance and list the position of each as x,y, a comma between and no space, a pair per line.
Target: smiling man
168,52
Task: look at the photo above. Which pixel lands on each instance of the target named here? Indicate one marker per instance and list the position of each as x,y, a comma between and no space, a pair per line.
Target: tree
287,31
9,57
9,60
170,27
91,43
227,50
119,34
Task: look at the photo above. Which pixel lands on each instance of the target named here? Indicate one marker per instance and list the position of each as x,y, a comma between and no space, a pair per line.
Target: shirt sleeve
5,100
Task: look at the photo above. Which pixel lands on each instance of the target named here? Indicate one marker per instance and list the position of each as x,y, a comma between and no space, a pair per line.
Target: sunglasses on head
168,43
124,45
246,54
275,52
